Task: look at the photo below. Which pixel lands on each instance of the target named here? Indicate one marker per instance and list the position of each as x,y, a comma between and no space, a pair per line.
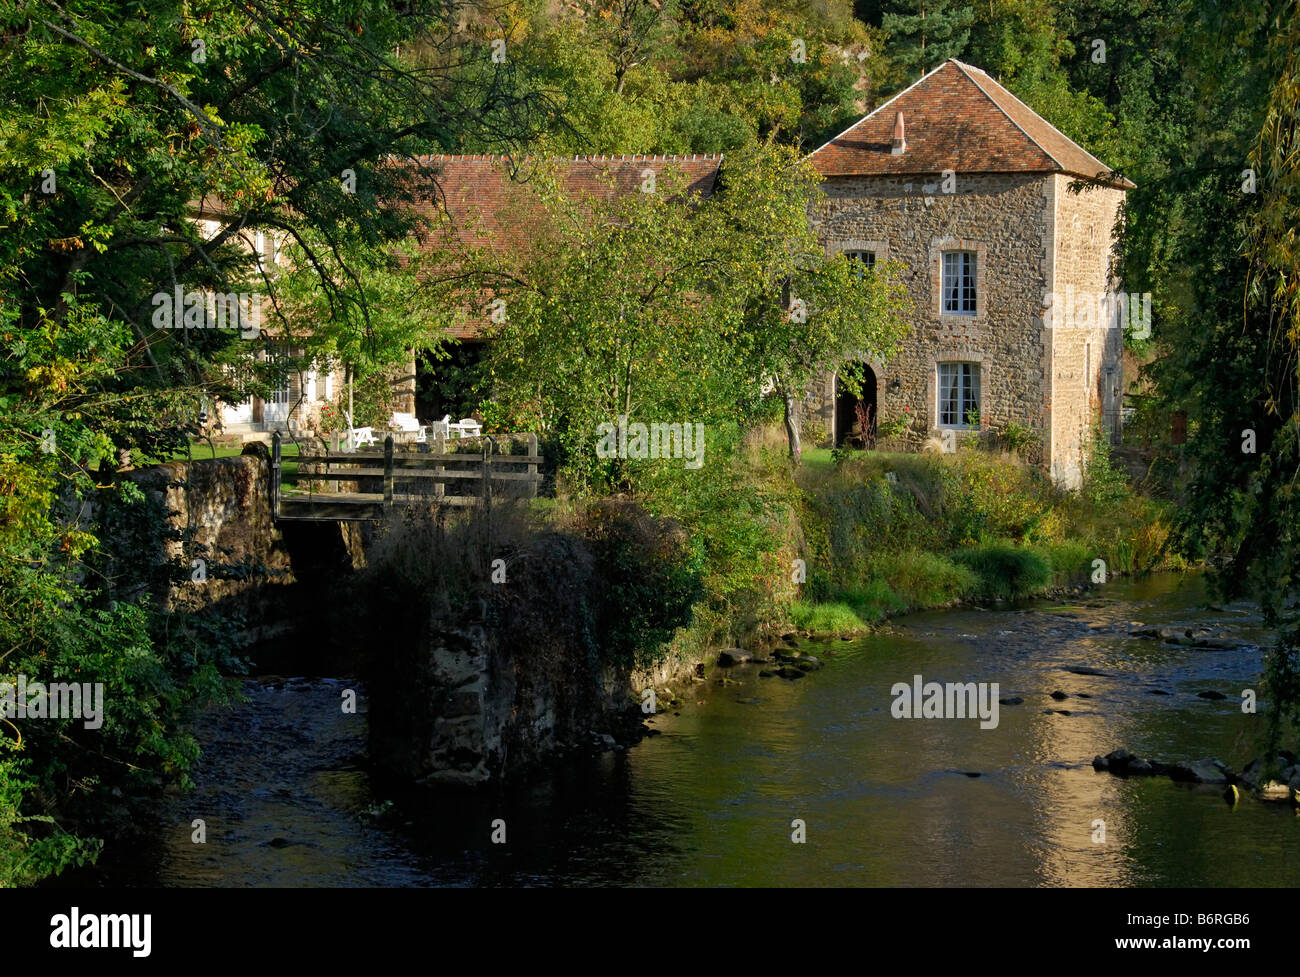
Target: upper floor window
959,394
862,261
958,283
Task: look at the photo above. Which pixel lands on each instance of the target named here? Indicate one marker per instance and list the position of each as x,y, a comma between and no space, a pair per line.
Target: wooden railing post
532,468
275,475
439,448
487,471
388,472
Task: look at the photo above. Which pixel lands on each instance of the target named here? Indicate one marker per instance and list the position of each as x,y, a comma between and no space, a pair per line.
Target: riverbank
850,539
286,790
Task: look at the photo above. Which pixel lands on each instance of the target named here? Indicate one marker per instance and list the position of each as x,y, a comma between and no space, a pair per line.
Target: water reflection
884,801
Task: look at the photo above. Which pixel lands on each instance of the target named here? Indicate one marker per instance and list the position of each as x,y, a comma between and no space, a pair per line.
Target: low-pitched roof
958,118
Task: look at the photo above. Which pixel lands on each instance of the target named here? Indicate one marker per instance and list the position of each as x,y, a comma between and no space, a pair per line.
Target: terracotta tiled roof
486,200
958,118
480,192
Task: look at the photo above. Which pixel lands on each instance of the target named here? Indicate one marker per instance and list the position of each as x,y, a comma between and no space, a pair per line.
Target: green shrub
922,579
872,599
1103,483
1017,438
1071,562
1005,572
826,618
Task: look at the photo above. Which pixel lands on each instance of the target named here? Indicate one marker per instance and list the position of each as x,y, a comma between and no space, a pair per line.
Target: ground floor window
863,261
959,394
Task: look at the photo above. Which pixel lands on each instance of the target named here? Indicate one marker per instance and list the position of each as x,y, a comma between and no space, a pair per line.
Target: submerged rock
1198,772
1058,695
1211,694
1011,700
734,656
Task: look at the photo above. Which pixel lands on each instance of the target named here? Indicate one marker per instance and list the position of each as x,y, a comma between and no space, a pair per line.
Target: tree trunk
792,426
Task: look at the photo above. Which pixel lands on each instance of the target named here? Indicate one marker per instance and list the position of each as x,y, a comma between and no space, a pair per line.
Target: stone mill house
1001,228
1007,270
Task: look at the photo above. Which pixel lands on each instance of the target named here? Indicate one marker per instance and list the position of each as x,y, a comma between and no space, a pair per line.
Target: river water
286,799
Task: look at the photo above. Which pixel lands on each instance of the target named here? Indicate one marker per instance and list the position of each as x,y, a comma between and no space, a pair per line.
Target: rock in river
734,656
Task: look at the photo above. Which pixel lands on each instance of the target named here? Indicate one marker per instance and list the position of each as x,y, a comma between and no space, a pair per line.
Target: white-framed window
267,248
863,261
329,384
959,395
309,387
958,283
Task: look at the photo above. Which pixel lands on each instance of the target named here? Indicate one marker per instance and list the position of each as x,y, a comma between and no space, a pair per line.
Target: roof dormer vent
900,142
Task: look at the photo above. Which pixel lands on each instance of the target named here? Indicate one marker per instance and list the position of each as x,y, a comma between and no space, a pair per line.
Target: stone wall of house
1007,220
1086,348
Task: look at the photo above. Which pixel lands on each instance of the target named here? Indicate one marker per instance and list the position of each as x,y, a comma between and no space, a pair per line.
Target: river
286,799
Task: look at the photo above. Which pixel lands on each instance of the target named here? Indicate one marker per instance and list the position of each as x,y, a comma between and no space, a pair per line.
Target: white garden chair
406,424
466,427
357,436
439,429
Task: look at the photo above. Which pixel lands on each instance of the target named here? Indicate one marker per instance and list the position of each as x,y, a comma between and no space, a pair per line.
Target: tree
109,129
926,33
659,307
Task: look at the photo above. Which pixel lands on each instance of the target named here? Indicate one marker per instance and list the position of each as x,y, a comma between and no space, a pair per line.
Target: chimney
900,143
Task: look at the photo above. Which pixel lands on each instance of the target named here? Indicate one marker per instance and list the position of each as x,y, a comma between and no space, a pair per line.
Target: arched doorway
855,412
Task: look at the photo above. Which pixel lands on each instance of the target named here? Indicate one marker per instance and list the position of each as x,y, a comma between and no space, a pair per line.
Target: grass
1004,572
817,462
201,449
889,532
827,618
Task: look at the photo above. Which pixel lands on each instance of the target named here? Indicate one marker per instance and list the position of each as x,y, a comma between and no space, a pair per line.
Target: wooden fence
437,476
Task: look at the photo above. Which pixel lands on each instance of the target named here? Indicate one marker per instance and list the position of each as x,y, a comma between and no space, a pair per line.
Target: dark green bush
1004,572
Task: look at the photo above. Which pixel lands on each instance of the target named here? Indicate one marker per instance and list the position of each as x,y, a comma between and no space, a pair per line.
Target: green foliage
651,577
828,619
1017,438
923,579
679,307
1103,483
925,33
1004,572
877,528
